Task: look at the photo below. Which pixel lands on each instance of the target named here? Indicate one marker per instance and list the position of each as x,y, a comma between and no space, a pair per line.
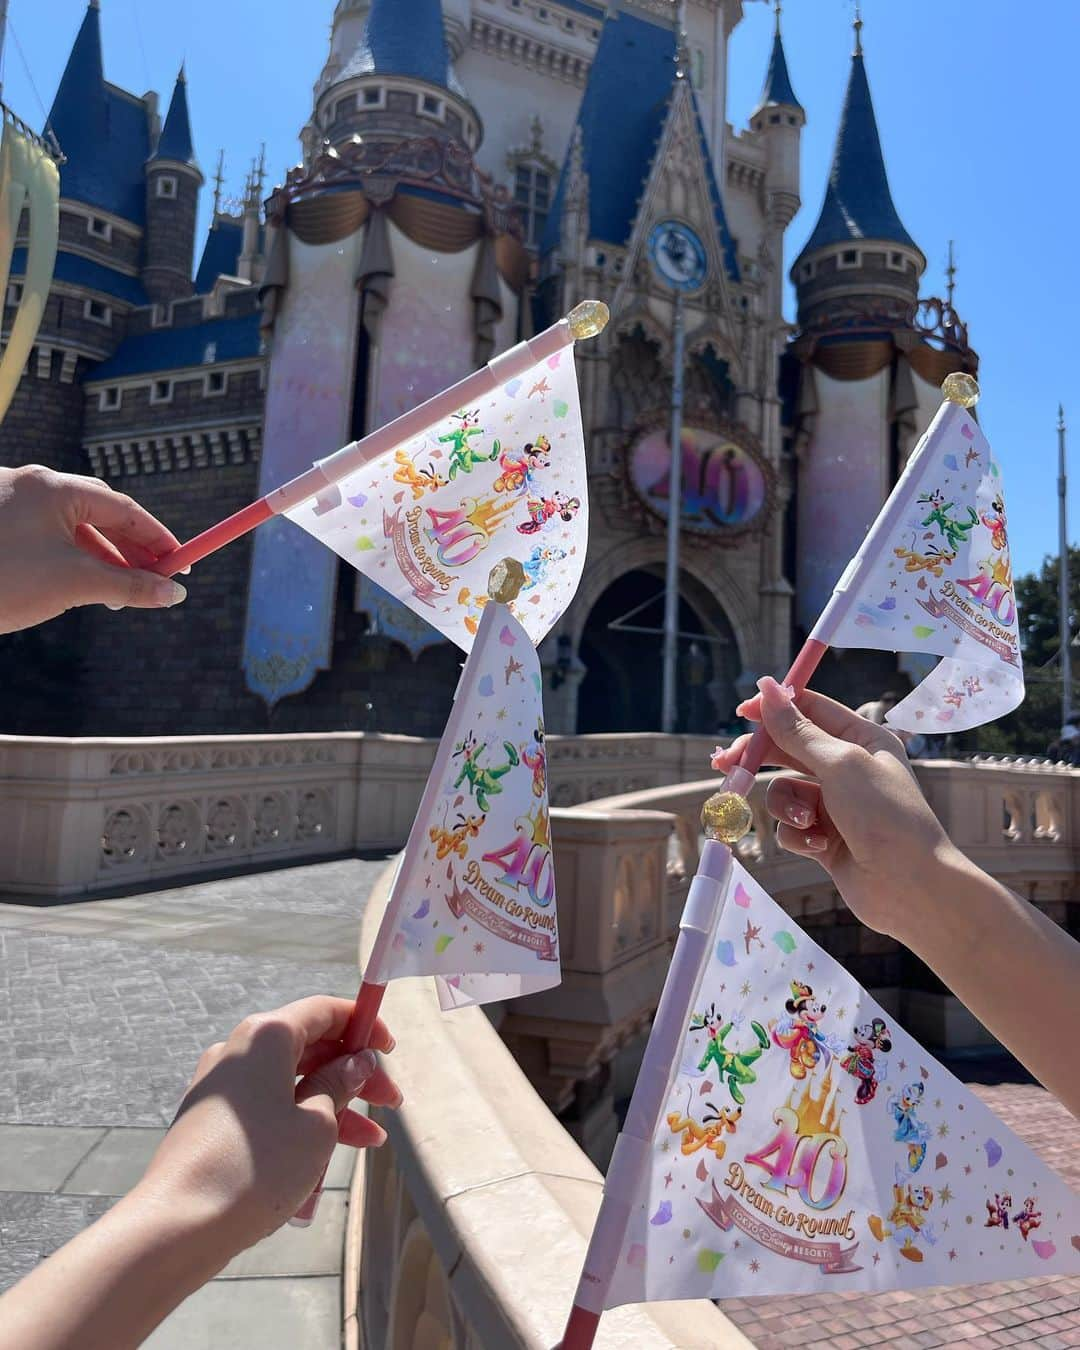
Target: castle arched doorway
621,648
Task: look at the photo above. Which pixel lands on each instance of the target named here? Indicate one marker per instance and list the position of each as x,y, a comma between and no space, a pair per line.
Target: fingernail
115,608
171,593
741,710
817,843
185,571
398,1099
771,689
391,1044
800,816
357,1069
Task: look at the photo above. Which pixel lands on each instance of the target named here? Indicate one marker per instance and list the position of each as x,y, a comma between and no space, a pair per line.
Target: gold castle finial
817,1115
858,29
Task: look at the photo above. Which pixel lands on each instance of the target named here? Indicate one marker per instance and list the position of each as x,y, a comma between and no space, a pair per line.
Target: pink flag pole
960,392
629,1161
370,996
584,321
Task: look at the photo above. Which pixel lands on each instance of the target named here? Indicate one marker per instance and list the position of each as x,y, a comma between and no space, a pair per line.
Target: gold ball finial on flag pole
588,320
727,817
960,388
505,581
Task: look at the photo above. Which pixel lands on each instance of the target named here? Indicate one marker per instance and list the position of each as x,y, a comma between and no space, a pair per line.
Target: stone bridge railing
84,816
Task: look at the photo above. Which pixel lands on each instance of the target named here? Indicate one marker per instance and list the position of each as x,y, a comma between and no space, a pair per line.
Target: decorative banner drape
440,226
28,178
308,412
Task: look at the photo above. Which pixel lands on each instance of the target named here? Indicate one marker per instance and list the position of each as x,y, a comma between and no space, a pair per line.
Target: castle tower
870,357
173,180
415,268
104,134
390,76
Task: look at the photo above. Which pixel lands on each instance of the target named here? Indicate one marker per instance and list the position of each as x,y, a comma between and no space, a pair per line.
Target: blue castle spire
777,89
858,203
103,131
175,141
79,116
622,115
406,37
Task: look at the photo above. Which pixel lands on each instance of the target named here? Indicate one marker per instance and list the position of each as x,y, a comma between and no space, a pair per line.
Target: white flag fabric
809,1144
473,901
428,520
936,579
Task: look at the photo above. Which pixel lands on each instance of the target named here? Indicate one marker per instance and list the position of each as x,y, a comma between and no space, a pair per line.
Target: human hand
72,541
859,811
250,1143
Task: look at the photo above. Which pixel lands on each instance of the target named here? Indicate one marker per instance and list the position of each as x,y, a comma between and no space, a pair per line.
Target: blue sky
975,103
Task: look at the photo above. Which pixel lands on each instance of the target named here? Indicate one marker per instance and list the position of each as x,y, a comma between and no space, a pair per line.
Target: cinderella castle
470,170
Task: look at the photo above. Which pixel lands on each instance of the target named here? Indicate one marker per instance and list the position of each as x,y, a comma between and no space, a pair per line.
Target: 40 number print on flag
809,1144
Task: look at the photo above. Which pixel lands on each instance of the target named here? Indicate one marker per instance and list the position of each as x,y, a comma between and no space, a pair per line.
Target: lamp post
680,261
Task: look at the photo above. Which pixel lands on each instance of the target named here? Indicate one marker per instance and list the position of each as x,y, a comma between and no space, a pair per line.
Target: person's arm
72,541
247,1147
860,813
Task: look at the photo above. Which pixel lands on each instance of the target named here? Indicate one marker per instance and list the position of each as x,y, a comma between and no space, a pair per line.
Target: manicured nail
357,1069
391,1043
115,608
770,689
817,843
170,593
800,816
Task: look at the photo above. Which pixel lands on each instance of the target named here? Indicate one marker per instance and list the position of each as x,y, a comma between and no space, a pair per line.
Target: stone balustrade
84,816
477,1211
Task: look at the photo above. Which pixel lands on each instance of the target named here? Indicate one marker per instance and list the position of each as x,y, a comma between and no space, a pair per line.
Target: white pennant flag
473,901
504,478
810,1144
934,577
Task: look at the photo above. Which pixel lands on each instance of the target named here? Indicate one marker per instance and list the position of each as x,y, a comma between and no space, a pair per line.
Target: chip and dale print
800,1033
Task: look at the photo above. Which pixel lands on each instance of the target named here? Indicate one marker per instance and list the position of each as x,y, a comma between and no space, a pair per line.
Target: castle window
161,391
542,13
792,121
166,187
109,398
896,260
343,107
160,316
532,193
570,25
431,106
849,258
373,97
215,382
99,227
774,119
97,312
14,293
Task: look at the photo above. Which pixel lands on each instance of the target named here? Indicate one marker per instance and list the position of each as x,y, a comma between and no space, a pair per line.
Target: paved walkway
105,1007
